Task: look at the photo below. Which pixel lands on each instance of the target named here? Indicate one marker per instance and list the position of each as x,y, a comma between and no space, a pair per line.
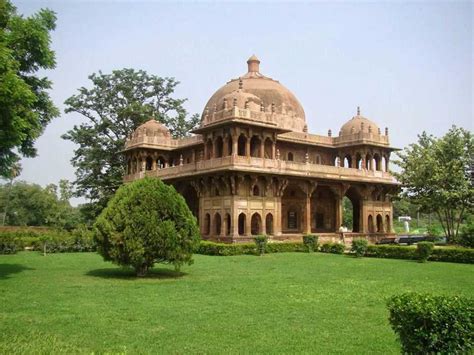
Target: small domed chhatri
152,128
252,167
269,101
358,124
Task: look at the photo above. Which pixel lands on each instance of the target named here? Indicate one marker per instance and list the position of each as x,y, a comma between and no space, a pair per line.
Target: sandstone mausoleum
253,168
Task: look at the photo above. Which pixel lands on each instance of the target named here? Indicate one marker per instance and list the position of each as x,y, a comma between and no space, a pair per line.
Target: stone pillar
248,224
277,217
235,142
307,227
262,149
273,150
153,164
339,212
247,147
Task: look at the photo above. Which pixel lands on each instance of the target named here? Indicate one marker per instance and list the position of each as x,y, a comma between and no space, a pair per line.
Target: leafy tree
31,205
146,222
25,105
116,105
436,176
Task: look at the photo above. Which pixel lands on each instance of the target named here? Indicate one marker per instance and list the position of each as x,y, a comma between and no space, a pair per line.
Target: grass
278,303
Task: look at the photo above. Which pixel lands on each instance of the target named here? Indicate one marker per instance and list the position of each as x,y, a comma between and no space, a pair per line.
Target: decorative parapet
159,142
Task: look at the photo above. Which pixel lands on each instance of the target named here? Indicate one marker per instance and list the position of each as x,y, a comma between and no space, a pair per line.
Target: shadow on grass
8,269
129,274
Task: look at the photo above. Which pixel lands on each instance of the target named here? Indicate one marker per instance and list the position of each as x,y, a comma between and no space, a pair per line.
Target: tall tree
25,105
436,175
117,104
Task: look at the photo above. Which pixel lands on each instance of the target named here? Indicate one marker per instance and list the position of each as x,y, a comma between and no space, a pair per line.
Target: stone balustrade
267,166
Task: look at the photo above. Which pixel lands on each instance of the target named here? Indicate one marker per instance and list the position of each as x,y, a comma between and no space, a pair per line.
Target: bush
424,250
285,247
7,246
334,248
466,237
359,247
261,242
429,324
311,242
146,222
453,255
390,252
221,249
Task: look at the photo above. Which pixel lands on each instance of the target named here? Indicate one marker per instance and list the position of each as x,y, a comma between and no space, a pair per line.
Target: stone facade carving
253,168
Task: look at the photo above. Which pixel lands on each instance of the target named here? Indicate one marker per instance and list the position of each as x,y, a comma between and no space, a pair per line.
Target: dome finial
358,110
253,64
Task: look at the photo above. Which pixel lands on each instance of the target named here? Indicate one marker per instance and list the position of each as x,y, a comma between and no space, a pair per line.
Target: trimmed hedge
333,248
453,255
78,240
286,247
429,324
221,249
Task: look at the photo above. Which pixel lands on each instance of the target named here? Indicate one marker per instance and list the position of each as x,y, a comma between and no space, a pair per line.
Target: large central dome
259,94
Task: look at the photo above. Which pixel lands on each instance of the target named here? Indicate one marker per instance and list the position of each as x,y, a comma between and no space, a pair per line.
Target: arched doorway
268,148
241,145
269,224
353,195
207,224
161,162
217,224
256,224
242,219
290,156
219,147
347,213
387,224
149,163
209,148
379,224
255,146
370,223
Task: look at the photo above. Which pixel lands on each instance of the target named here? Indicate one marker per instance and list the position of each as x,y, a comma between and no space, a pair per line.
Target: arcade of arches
233,207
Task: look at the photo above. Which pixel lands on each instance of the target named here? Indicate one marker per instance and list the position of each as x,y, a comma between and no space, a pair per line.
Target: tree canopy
28,204
146,222
25,105
113,107
436,175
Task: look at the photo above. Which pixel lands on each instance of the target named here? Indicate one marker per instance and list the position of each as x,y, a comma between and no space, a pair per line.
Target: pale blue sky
408,65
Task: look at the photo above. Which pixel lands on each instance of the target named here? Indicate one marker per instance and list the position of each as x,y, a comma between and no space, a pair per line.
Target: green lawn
279,303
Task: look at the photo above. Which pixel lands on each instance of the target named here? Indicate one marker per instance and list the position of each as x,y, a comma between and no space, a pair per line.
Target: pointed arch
370,222
217,224
269,224
256,224
242,221
379,224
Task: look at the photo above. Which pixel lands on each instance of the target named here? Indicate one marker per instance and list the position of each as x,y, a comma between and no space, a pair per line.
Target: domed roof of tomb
263,96
358,124
152,128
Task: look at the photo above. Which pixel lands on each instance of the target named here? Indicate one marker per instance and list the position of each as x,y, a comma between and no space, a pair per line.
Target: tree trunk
141,270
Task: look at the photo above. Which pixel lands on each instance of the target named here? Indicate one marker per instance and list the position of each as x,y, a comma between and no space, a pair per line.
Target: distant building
252,168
